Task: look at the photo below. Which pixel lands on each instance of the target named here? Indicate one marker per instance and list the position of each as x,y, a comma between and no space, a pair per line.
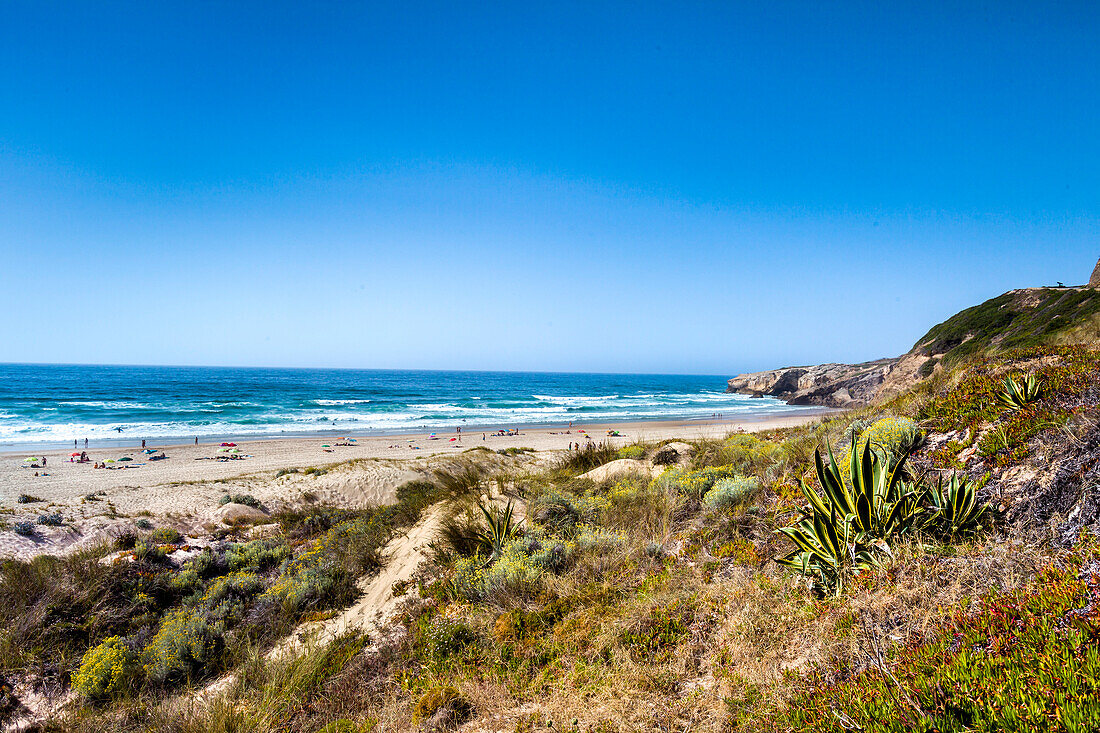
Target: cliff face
1017,319
832,385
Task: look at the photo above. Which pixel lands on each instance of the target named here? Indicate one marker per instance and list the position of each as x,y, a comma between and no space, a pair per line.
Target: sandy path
403,556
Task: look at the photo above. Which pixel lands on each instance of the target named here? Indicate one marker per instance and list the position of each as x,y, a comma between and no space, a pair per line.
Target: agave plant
956,505
880,502
500,528
828,550
1017,395
843,529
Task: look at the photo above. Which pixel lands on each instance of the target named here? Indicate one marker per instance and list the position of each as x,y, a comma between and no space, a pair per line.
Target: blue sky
667,187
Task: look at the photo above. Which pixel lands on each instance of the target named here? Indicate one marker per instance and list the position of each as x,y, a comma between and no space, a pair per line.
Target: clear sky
653,187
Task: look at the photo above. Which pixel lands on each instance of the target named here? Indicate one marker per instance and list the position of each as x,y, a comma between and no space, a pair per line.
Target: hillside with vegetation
1017,319
930,562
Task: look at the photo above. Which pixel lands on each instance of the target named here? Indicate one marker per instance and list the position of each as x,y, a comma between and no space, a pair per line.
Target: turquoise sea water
55,404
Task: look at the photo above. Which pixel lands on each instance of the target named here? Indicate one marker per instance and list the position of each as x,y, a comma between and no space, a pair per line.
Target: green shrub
444,637
442,706
246,499
25,529
256,555
227,599
728,492
694,484
144,552
185,646
107,670
894,436
637,452
143,524
165,536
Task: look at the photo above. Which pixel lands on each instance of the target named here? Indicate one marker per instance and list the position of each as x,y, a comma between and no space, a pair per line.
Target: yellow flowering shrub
184,644
693,483
107,670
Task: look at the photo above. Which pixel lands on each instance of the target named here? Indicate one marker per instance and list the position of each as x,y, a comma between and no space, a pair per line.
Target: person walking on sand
143,445
85,443
196,440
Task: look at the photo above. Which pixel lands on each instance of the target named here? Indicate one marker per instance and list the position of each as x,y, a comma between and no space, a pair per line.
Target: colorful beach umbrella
30,459
74,454
126,458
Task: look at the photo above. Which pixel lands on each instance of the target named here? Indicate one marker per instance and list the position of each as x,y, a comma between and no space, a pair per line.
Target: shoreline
185,490
175,441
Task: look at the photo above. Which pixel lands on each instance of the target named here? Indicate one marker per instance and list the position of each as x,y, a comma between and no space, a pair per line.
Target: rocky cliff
833,385
1017,319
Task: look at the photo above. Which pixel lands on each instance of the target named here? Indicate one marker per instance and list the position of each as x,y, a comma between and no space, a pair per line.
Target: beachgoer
43,461
85,442
74,443
143,445
196,440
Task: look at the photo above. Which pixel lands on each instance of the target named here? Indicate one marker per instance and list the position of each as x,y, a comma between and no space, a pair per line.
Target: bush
246,499
666,456
445,637
894,436
26,529
165,536
257,555
107,670
637,452
184,646
27,499
227,599
190,578
441,706
144,552
694,484
728,492
51,520
143,524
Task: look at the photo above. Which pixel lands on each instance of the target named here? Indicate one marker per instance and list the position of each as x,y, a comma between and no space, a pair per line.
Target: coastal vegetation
926,563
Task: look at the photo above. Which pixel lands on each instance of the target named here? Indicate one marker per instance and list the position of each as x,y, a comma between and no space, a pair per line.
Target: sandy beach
183,490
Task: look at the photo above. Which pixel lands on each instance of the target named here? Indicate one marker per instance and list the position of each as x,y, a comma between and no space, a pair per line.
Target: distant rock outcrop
833,385
1017,319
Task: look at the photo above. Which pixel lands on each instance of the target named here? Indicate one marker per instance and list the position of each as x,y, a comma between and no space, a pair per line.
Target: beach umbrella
30,459
74,454
126,458
453,440
223,450
234,450
109,460
325,445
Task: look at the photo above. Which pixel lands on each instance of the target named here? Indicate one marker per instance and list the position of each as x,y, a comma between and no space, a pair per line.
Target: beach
184,489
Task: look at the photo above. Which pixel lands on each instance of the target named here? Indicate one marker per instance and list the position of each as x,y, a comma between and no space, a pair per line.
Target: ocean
51,405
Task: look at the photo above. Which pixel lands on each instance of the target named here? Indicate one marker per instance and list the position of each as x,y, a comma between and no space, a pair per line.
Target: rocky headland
1018,318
